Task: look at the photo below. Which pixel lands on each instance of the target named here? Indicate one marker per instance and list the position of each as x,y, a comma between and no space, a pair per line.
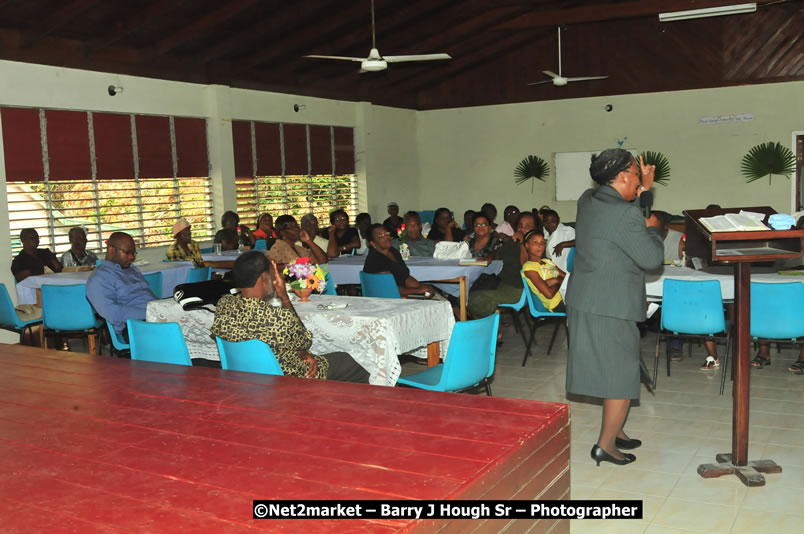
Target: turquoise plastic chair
208,250
155,283
692,309
426,216
571,259
380,285
252,356
199,274
118,343
9,320
157,342
469,360
260,244
777,315
516,310
539,314
66,310
330,289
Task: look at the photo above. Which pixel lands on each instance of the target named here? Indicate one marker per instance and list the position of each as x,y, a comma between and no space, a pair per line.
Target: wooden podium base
750,474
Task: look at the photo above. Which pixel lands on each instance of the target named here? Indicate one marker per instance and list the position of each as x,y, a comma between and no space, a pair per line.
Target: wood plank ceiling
498,47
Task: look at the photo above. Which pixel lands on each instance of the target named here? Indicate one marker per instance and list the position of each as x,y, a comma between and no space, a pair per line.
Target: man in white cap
184,248
393,223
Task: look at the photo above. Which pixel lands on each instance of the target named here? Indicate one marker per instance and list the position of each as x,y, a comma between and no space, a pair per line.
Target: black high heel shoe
599,455
627,444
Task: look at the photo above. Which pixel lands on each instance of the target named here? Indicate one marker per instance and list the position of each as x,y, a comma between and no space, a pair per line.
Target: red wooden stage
95,444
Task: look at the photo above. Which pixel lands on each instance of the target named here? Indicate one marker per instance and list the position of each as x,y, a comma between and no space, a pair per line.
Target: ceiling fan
559,80
375,62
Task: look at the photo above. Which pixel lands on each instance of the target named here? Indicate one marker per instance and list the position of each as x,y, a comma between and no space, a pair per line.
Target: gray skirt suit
606,294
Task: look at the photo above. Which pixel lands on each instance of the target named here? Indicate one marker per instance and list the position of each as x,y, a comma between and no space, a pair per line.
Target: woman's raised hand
648,172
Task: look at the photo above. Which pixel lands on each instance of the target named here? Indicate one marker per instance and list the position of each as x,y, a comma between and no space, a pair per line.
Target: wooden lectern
740,248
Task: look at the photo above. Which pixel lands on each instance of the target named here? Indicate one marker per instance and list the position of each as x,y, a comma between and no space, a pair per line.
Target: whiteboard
572,173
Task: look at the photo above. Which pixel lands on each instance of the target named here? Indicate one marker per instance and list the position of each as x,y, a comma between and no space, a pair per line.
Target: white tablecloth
346,270
373,331
723,274
229,255
173,273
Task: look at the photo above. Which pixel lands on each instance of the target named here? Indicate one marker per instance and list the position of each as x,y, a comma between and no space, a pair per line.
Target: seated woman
231,221
485,243
343,239
362,223
417,245
444,227
227,238
184,248
250,315
285,250
265,229
483,302
542,275
383,258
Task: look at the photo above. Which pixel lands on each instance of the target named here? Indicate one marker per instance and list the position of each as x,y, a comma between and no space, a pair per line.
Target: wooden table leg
462,283
42,328
742,370
93,348
433,353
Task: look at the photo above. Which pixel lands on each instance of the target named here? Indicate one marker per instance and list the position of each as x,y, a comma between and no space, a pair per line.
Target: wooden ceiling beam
200,25
283,21
322,27
123,29
604,12
59,18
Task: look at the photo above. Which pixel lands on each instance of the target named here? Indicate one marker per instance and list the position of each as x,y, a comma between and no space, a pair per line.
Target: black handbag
486,281
195,295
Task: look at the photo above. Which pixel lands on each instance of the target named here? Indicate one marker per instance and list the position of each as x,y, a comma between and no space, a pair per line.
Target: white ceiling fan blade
416,57
584,78
361,59
551,74
539,83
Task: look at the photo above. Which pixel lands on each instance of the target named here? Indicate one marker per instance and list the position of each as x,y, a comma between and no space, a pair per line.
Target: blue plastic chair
208,250
252,356
199,274
380,285
426,216
157,342
330,289
469,360
118,343
516,310
260,244
693,309
539,314
570,259
66,310
9,320
777,315
155,283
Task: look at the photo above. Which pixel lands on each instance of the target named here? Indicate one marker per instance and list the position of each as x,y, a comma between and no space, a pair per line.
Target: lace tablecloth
346,270
374,331
173,274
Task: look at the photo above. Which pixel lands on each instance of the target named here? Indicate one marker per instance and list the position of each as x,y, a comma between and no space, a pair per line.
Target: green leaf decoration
662,173
531,167
768,159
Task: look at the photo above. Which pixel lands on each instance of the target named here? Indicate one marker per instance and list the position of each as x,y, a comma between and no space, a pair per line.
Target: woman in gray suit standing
605,299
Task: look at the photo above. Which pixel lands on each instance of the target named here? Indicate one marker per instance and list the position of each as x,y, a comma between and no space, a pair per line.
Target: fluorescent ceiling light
708,12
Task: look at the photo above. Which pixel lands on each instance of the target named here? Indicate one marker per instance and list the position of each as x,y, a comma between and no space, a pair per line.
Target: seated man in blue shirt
117,290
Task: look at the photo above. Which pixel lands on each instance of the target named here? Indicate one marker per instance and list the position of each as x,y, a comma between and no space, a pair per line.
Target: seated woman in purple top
117,290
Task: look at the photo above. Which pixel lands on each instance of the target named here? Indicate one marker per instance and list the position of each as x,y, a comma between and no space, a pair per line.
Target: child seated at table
542,275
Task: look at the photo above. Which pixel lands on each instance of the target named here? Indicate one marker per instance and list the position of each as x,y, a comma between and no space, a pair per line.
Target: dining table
173,274
724,274
448,275
374,331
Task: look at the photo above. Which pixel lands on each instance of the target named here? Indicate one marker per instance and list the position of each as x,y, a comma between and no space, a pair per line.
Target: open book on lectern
734,222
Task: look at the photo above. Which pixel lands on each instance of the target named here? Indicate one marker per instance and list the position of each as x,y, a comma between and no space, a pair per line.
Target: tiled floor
684,425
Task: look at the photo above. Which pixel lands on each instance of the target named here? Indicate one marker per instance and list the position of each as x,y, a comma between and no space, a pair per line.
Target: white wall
467,156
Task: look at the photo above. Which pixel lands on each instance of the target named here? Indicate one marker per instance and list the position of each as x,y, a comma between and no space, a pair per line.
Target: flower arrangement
401,232
301,275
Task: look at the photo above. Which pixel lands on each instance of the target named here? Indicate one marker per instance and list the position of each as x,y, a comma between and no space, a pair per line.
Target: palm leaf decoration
662,173
531,167
768,159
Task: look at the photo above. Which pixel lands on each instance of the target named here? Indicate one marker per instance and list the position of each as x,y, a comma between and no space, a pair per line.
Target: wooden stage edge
98,444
